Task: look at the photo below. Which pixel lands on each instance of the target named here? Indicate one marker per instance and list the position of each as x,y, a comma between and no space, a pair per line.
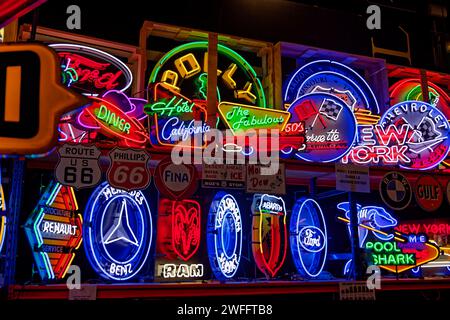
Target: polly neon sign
269,237
184,69
179,228
224,236
118,233
54,231
308,238
92,71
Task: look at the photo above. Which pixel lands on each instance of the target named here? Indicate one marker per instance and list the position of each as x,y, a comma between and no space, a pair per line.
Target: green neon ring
233,55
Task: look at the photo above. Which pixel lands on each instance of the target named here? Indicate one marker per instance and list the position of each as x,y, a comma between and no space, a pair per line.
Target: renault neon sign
54,231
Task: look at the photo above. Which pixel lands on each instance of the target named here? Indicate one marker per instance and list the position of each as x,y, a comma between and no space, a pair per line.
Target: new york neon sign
224,236
118,233
308,238
54,231
412,134
91,71
269,236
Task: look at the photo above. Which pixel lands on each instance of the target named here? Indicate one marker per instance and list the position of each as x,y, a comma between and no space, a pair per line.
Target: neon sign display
334,78
91,71
411,89
429,228
269,237
184,69
429,193
179,228
176,117
118,233
54,231
240,117
308,238
330,127
224,236
412,134
116,116
402,253
2,217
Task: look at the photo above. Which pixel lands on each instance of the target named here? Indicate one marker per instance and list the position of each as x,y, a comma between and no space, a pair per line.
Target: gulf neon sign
269,236
224,236
54,231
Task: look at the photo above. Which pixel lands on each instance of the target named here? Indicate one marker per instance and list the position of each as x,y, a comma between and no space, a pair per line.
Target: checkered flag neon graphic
427,129
330,109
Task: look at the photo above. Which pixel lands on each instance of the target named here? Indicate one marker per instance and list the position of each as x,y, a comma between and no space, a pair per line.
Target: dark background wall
331,24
